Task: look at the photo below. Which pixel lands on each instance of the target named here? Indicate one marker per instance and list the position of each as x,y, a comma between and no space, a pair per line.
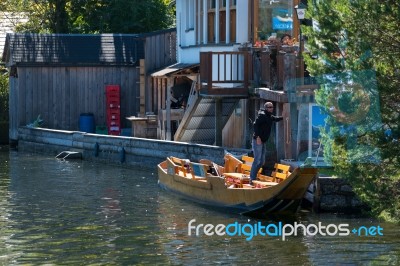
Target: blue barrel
86,123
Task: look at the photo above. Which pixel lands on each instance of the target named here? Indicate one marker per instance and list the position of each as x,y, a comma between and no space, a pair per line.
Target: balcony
224,74
276,69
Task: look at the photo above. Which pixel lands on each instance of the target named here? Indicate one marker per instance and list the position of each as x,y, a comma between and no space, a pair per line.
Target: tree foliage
93,16
353,53
3,95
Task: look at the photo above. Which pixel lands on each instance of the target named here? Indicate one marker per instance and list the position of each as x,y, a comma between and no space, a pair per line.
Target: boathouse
61,76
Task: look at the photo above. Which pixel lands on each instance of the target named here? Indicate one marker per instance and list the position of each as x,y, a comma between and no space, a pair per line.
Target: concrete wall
137,151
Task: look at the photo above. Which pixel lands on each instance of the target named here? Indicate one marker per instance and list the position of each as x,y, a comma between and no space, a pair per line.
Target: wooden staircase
198,122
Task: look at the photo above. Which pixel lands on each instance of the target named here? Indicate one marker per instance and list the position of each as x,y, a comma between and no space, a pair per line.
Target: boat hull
284,197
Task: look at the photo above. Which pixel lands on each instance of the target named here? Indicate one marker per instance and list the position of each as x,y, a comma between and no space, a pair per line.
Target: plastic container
86,123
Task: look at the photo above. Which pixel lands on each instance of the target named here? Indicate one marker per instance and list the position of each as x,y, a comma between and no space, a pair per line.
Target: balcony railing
236,73
224,73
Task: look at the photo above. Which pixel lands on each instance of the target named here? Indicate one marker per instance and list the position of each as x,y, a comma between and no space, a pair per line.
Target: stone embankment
336,195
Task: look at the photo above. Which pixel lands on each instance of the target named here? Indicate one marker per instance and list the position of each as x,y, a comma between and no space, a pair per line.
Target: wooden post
293,132
280,132
287,130
245,121
218,122
142,87
168,108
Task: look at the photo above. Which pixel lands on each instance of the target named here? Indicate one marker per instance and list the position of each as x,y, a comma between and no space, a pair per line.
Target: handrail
224,72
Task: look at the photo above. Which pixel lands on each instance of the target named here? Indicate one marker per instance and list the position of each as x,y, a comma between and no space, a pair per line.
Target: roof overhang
178,69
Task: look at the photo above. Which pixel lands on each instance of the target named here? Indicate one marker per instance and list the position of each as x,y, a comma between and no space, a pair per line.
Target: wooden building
60,76
239,66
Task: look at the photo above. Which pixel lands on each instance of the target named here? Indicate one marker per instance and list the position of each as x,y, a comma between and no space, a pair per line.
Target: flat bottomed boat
228,186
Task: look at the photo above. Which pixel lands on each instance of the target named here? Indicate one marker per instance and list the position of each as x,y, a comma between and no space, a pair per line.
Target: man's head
269,107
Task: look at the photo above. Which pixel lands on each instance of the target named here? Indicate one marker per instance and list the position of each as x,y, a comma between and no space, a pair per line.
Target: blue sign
281,19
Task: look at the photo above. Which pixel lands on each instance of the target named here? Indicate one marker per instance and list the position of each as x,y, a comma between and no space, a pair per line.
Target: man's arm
276,118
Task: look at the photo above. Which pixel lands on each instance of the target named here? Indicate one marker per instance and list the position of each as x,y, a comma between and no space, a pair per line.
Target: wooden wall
160,52
60,94
234,134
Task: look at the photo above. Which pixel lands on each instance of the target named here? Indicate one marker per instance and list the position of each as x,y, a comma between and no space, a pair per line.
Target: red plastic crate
113,117
112,89
112,98
114,130
115,122
114,105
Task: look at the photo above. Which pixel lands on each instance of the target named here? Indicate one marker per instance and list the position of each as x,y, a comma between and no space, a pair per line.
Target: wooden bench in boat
280,173
246,165
185,168
232,164
179,165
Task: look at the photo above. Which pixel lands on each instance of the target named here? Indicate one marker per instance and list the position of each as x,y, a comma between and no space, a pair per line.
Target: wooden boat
228,186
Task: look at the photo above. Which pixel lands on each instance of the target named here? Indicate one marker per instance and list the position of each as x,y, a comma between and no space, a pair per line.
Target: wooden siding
60,94
160,51
60,91
234,133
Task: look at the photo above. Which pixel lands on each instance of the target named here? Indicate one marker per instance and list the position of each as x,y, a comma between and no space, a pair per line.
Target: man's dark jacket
263,124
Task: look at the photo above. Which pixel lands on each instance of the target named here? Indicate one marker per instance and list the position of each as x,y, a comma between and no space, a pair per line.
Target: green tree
120,16
92,16
355,51
3,95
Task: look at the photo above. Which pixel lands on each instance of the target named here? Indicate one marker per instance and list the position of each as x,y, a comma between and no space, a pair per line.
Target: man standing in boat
262,130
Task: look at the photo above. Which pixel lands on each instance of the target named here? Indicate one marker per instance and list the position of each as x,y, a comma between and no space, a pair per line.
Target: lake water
79,213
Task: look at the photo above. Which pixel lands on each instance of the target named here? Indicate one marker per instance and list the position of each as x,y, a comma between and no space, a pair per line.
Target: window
190,7
273,17
221,13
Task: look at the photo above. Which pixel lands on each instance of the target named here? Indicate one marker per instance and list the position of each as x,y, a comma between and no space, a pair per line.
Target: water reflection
76,212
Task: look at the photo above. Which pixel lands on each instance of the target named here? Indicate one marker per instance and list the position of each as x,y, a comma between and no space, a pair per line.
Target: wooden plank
21,98
99,88
142,86
66,96
14,108
28,96
33,100
284,168
44,98
156,52
39,93
166,51
55,106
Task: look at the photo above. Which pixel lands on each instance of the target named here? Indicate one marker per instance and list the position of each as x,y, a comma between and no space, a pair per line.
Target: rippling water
76,212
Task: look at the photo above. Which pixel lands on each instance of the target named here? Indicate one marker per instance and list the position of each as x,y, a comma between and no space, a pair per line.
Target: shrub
3,94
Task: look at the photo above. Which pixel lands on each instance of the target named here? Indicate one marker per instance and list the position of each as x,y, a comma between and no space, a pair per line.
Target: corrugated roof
73,49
